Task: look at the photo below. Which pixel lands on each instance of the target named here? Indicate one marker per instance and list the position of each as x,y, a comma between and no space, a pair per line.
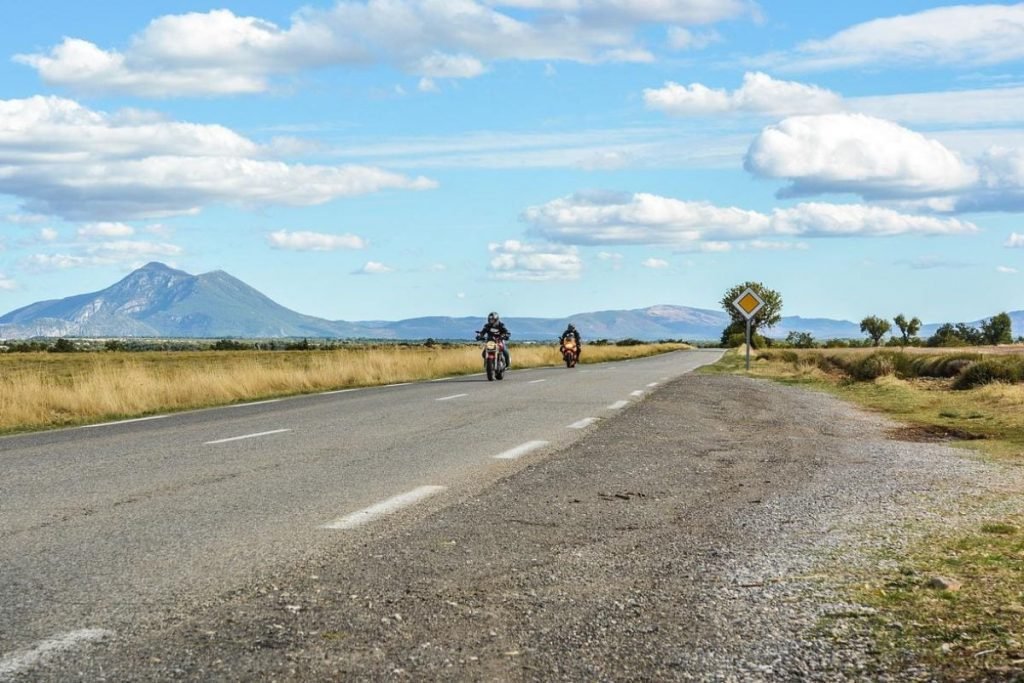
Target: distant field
43,390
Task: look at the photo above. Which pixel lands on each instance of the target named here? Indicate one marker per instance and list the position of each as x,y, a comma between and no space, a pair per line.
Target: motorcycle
569,352
494,357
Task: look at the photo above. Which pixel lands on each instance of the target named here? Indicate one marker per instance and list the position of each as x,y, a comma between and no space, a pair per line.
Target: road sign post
748,303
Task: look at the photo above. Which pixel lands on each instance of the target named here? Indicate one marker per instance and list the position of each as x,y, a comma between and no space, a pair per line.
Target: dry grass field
44,390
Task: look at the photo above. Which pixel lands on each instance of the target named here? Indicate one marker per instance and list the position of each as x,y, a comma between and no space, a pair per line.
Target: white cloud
515,260
7,283
960,34
116,252
1015,241
427,85
680,38
313,241
105,229
760,94
374,268
856,153
655,263
220,53
48,234
64,159
604,219
1006,270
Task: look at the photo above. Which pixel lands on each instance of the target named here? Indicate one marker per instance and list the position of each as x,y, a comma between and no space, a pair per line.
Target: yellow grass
41,390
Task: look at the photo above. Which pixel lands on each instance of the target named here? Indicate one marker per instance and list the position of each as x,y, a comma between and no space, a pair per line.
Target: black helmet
492,317
572,328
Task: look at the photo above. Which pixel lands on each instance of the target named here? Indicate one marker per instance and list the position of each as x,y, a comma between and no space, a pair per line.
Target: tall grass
43,390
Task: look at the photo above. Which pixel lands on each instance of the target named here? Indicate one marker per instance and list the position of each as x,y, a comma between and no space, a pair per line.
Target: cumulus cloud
1015,241
760,94
115,252
64,159
515,260
313,241
105,229
1006,270
638,219
48,234
680,38
374,268
221,53
856,153
7,283
960,34
655,263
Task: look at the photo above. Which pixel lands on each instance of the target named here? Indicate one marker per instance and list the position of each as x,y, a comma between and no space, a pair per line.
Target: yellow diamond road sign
748,303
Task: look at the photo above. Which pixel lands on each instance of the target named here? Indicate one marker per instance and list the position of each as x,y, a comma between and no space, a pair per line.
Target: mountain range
159,301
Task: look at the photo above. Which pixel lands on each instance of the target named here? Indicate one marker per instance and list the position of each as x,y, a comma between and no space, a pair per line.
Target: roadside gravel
701,534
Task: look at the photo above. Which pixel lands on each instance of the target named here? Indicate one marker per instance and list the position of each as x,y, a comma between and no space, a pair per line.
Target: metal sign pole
748,344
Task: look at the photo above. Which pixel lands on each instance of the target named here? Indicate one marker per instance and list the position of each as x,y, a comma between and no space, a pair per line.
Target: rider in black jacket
571,331
495,329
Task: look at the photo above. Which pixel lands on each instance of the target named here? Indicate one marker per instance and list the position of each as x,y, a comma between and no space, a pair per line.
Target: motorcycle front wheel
489,367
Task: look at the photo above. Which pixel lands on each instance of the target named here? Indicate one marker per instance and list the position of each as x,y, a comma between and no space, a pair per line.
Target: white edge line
638,392
23,659
585,422
652,384
254,403
618,404
338,391
360,517
536,381
521,450
247,436
448,398
124,422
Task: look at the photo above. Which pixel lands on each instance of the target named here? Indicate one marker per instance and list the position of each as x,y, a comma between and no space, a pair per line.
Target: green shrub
988,371
874,366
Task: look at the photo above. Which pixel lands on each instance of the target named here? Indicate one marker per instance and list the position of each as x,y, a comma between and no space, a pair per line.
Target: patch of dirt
931,433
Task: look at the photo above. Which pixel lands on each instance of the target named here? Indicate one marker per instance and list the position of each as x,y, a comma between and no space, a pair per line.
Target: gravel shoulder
701,534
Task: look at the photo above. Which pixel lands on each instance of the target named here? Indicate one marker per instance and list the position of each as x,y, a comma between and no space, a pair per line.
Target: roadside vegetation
64,387
953,604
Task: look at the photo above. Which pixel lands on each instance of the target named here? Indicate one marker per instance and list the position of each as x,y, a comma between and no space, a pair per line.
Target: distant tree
770,313
997,329
960,334
875,327
63,345
800,340
908,328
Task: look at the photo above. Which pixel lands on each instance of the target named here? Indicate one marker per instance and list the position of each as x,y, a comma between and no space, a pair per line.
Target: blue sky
387,159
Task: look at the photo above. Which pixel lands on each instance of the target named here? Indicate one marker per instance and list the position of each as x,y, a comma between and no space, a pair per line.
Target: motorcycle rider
495,329
571,331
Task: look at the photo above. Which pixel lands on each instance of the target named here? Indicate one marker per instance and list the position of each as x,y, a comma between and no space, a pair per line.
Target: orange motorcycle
570,353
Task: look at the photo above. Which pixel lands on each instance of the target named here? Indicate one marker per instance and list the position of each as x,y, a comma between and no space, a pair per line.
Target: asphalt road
103,529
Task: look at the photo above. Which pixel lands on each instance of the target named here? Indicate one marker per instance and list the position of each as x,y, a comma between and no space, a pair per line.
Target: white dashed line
21,660
536,381
652,384
638,392
585,422
618,404
520,450
382,508
247,436
448,398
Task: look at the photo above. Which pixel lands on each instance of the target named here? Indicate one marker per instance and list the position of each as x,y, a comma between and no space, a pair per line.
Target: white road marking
360,517
536,381
638,392
448,398
254,403
124,422
618,404
520,450
21,660
247,436
337,391
653,384
585,422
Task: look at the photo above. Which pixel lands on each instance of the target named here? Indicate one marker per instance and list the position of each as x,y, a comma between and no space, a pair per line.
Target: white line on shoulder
247,436
520,450
366,515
